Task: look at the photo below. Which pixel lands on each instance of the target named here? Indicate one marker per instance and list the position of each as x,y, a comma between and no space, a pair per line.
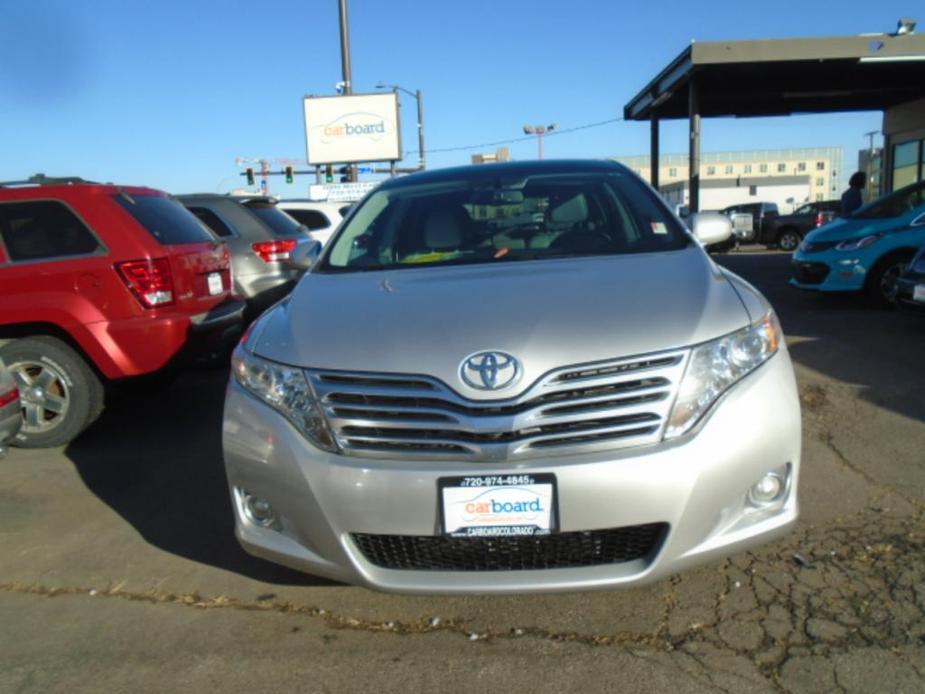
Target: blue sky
168,93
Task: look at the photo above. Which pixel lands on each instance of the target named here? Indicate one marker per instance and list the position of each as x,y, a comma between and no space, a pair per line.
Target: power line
512,140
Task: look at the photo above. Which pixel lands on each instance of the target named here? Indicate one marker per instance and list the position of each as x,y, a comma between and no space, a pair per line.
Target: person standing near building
852,198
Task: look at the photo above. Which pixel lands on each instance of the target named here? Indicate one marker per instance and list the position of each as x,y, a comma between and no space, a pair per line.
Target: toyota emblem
489,370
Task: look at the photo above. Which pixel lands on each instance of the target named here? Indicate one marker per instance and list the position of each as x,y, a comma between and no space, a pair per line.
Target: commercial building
502,154
904,137
787,192
788,177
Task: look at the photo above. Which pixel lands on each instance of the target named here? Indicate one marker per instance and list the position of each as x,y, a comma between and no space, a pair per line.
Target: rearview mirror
711,227
305,254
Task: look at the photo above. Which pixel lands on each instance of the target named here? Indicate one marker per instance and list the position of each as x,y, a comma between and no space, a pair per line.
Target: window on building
729,168
748,168
820,166
753,190
781,168
672,172
44,230
820,182
711,170
820,197
763,168
907,163
801,166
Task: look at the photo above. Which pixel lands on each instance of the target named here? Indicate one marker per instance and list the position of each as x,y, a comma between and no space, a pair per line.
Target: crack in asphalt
334,621
860,583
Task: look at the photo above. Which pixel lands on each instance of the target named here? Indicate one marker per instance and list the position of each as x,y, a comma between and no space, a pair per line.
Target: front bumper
696,486
820,272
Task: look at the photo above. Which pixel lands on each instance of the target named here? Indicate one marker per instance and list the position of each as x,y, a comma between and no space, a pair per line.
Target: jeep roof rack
41,179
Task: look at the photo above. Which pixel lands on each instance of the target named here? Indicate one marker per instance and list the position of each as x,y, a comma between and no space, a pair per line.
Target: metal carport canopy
777,77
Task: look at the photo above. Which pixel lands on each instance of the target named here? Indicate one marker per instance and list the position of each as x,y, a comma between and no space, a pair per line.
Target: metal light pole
539,131
345,60
264,177
345,46
419,97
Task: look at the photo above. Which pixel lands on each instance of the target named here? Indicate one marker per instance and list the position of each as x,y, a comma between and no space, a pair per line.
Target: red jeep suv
101,282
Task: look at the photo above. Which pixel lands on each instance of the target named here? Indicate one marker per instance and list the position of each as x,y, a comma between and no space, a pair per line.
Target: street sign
341,192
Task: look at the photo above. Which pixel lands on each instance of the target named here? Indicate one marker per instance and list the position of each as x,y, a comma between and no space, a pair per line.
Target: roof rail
41,179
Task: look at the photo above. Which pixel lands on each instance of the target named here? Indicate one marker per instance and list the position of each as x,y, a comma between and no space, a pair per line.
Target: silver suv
509,378
260,238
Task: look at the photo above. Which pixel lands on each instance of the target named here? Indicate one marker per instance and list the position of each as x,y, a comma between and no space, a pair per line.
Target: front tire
881,280
60,394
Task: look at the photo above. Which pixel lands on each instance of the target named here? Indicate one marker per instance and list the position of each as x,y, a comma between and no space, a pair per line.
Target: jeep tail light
9,397
272,251
149,280
820,219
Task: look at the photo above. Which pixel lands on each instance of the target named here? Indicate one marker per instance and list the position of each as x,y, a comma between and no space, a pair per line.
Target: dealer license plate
918,292
498,505
215,283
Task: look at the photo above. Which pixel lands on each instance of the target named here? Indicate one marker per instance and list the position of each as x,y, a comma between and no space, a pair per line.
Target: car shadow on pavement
878,351
844,337
155,457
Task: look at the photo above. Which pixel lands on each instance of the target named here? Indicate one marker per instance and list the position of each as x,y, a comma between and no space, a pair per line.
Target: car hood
547,313
851,228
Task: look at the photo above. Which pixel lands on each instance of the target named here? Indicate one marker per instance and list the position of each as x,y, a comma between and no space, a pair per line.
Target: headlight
857,244
717,365
286,390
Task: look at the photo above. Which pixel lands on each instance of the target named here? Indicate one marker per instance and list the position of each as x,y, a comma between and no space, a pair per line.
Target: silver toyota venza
510,378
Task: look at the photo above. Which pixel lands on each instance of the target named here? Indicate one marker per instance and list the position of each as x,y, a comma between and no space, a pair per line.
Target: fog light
770,488
258,511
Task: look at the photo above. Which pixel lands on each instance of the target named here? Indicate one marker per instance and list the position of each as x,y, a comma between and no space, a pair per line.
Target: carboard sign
347,129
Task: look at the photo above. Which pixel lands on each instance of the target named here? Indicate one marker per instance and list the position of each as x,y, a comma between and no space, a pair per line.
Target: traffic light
344,172
249,172
329,174
288,174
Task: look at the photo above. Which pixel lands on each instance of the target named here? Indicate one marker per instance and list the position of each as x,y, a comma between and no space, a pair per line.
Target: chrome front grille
574,409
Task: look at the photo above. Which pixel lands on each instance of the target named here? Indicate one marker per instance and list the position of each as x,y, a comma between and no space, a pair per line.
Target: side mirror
711,227
305,254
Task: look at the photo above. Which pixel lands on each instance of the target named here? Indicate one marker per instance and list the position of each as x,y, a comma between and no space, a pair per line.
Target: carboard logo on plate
498,510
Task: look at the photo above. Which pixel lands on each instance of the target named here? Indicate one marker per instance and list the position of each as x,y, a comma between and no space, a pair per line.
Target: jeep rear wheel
60,393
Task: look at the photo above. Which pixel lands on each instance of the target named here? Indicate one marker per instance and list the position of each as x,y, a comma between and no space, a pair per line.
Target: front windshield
806,209
894,205
488,221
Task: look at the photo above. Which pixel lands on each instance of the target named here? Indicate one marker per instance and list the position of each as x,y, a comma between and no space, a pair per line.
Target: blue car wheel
881,280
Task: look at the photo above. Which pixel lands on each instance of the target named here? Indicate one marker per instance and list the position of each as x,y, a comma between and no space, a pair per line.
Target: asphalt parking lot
120,569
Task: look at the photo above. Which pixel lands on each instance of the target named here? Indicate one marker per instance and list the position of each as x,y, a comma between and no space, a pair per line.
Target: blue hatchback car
866,251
